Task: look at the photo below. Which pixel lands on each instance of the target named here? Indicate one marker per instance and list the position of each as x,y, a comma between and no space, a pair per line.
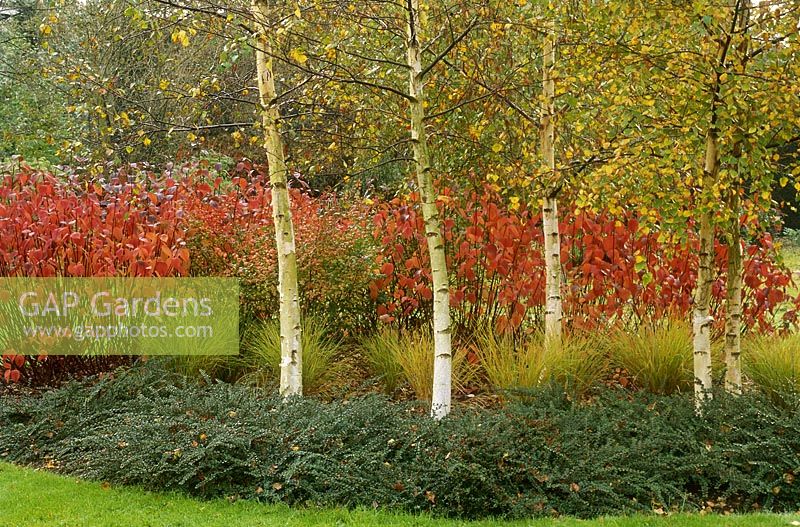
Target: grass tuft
260,361
579,364
657,355
772,363
408,356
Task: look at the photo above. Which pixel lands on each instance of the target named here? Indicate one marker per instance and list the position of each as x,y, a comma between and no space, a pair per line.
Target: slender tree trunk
291,352
733,323
705,277
552,236
442,363
733,301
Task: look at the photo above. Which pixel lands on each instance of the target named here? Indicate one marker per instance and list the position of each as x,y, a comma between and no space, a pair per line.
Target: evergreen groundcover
543,455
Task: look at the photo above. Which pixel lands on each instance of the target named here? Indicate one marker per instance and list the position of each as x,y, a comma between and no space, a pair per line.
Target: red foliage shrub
232,234
151,227
57,227
614,270
49,227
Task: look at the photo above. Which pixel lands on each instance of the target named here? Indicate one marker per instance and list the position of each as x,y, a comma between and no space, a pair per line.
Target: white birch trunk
291,382
442,358
705,276
733,323
552,236
733,300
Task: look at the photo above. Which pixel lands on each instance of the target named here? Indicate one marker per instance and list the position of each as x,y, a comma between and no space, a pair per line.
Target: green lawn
790,253
36,498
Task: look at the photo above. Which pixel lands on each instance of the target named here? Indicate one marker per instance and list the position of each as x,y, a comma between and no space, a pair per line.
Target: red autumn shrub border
50,226
614,270
186,222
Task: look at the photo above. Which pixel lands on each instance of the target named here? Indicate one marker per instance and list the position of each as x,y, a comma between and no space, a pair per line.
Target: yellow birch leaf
298,56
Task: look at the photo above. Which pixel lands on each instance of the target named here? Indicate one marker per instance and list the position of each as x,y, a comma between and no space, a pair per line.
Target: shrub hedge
617,454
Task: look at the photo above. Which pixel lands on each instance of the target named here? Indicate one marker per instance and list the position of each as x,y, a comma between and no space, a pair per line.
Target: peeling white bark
702,294
291,382
442,363
552,236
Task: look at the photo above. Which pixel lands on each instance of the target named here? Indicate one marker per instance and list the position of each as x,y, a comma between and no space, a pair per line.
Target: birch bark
291,382
552,236
733,323
442,359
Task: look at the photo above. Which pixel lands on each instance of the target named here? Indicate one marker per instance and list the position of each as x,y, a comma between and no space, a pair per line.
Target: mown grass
790,254
31,498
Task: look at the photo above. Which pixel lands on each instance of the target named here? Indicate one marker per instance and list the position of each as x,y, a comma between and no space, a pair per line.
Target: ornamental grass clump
379,351
772,363
324,367
657,355
407,357
578,364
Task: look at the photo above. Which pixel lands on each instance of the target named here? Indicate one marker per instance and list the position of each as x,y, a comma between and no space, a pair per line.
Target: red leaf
387,269
76,269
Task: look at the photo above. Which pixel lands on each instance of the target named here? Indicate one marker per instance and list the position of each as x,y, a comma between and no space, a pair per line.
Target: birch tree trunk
702,298
733,323
291,382
442,360
552,236
733,300
701,319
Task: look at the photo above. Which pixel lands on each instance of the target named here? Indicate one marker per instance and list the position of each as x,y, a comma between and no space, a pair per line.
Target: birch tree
732,56
749,55
291,382
701,315
733,297
552,236
443,354
762,63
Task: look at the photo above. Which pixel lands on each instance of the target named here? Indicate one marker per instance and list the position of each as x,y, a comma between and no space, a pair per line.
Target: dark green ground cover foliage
546,455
